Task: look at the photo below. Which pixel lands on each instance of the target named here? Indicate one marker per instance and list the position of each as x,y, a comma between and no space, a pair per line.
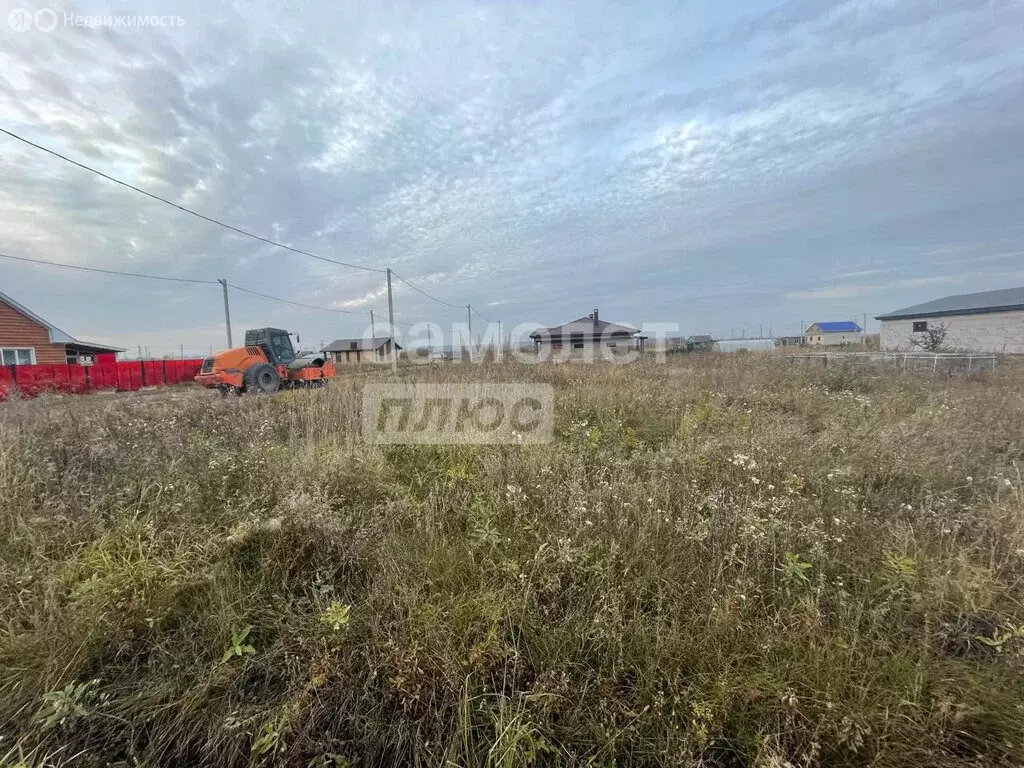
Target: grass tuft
720,562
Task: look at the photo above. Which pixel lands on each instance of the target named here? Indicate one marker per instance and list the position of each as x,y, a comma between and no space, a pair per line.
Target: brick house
27,339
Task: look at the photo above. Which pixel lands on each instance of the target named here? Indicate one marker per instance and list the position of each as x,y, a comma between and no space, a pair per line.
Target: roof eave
609,334
91,345
904,315
607,330
57,336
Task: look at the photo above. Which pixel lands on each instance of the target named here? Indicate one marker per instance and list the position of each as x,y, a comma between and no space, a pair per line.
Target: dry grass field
717,562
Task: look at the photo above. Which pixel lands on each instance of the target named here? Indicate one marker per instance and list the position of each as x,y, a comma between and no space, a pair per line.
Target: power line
294,303
439,301
174,280
432,298
183,208
108,271
218,222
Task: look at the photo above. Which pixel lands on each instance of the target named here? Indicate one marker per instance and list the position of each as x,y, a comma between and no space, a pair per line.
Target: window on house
611,343
920,326
23,356
577,345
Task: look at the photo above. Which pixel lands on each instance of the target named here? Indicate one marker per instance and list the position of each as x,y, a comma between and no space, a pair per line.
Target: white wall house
362,350
990,321
589,339
834,334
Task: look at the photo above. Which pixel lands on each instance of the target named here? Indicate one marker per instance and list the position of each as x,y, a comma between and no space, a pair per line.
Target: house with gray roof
989,321
587,338
702,342
362,350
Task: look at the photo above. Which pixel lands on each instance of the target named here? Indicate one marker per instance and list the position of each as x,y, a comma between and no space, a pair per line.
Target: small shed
789,341
700,343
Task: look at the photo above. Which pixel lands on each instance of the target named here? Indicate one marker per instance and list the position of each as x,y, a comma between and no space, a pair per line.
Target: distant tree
931,340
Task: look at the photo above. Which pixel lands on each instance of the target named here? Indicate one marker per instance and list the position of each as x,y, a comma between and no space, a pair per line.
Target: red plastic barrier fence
72,378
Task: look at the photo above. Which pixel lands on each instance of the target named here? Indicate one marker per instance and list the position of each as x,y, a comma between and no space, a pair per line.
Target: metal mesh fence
911,362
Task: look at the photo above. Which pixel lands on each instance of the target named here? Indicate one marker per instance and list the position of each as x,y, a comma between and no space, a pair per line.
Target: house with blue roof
834,334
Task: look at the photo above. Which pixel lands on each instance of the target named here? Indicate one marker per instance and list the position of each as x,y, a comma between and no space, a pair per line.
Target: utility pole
227,309
469,319
391,320
373,336
430,345
500,342
181,351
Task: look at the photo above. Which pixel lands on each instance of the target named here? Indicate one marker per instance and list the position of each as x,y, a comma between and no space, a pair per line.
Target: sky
729,167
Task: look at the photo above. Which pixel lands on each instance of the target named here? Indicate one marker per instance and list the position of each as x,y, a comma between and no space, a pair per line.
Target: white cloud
542,158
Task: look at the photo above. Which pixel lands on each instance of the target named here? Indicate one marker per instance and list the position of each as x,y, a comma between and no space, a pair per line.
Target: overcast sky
722,167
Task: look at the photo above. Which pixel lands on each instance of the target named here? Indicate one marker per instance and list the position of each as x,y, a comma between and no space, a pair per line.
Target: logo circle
46,20
20,19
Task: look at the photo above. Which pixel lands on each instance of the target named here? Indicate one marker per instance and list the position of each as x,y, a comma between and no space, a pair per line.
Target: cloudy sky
724,167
